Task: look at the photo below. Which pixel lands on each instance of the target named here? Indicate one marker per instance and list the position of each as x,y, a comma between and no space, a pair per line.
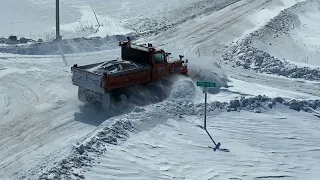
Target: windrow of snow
250,55
252,58
178,105
66,46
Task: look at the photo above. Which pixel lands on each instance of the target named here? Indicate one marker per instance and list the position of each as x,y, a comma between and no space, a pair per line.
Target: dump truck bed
116,67
112,74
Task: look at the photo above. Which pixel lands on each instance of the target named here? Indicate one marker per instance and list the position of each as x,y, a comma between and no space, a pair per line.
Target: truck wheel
119,99
159,90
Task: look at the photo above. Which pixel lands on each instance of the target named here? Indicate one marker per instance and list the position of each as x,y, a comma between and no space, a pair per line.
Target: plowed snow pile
287,45
293,35
177,149
165,141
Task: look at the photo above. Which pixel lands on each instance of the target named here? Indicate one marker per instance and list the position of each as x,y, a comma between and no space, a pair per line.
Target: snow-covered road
40,115
41,118
213,31
37,114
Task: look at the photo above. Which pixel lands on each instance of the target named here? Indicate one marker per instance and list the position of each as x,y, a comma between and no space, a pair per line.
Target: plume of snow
207,68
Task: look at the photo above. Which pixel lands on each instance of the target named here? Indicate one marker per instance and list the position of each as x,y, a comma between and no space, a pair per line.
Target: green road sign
206,84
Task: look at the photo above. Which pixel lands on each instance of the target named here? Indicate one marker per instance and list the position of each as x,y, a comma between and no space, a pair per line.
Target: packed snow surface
39,114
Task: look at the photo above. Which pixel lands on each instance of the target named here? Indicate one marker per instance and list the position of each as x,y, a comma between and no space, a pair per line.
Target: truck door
161,66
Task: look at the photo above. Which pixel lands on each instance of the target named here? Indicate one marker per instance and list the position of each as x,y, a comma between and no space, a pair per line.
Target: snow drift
67,46
88,152
275,48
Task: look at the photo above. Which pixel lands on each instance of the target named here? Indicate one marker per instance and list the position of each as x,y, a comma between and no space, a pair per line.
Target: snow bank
252,58
67,46
292,35
143,119
249,55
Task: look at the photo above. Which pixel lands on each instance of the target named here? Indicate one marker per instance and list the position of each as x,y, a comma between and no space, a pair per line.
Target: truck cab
157,59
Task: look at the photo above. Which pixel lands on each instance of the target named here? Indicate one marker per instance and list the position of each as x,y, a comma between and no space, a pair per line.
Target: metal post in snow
57,21
206,85
205,108
58,37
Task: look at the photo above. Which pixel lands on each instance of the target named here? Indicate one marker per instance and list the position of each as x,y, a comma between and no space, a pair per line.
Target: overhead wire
95,15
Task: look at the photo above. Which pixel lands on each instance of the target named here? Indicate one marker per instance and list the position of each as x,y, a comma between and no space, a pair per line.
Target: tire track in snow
19,94
4,105
232,18
201,31
40,125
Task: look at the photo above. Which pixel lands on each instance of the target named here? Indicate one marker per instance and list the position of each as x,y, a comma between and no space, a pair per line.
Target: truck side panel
128,80
87,80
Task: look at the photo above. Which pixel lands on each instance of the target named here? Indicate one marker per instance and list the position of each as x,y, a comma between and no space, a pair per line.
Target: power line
95,15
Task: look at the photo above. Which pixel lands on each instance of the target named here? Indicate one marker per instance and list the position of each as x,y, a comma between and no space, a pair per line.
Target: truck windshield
159,58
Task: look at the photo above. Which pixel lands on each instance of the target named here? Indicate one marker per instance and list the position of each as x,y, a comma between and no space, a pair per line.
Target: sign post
205,85
205,108
208,85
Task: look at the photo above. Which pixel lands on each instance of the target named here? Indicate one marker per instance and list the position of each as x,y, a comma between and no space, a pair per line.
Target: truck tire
119,99
159,90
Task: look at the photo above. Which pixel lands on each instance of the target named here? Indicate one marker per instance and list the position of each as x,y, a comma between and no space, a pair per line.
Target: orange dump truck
105,81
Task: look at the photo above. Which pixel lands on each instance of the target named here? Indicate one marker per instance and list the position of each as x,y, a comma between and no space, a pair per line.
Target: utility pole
58,37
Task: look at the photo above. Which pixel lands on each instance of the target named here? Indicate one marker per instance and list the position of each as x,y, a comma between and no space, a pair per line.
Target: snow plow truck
107,82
